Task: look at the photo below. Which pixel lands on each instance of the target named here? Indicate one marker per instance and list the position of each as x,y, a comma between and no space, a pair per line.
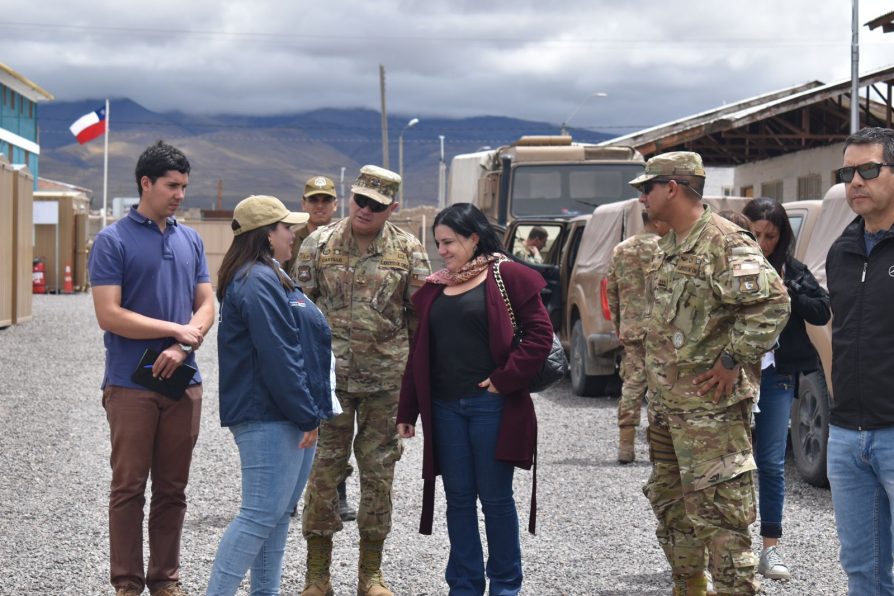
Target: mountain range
244,155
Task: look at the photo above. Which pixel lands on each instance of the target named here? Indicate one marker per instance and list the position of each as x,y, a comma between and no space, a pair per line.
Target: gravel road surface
595,528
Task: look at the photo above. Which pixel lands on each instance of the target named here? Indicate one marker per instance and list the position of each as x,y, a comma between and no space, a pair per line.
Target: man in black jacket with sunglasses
860,272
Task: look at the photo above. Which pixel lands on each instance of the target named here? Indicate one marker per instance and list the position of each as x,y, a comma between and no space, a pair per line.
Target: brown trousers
150,434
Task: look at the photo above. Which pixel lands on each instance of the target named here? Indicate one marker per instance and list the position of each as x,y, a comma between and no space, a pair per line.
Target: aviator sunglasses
374,206
868,171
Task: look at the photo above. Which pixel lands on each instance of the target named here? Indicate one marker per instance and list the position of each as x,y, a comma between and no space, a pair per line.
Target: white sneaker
772,566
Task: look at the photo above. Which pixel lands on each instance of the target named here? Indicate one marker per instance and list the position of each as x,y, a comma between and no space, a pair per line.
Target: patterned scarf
466,272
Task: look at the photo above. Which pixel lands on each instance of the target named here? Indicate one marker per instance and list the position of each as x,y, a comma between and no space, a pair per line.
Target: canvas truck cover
834,217
465,170
609,224
613,222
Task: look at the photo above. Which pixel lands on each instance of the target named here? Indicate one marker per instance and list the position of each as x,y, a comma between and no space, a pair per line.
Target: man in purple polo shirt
151,289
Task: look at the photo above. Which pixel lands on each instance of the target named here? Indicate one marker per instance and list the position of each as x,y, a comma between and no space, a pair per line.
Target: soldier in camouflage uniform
320,202
717,306
361,272
627,303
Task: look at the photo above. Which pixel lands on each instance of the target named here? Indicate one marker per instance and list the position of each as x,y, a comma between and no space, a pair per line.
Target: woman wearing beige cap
274,348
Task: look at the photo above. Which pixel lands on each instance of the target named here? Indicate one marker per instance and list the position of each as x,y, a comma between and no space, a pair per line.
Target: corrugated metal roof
745,112
37,93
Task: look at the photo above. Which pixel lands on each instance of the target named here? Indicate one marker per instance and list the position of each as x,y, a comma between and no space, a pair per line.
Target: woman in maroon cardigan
468,381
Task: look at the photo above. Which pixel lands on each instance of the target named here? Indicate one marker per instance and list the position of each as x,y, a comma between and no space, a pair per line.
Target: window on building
3,92
31,109
810,187
772,189
747,191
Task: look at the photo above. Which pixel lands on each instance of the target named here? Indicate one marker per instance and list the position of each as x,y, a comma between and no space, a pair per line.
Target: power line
260,36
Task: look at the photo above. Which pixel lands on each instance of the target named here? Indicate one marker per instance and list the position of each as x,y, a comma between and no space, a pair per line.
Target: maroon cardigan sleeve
523,285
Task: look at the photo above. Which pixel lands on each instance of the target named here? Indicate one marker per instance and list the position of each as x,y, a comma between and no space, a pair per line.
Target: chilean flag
89,126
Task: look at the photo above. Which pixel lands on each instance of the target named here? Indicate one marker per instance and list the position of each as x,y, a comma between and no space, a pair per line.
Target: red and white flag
89,126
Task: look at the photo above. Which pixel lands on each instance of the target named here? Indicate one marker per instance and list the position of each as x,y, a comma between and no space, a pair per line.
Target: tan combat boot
696,585
317,581
626,453
370,581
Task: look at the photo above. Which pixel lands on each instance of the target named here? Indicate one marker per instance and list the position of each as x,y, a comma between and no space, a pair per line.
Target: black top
862,291
460,345
810,303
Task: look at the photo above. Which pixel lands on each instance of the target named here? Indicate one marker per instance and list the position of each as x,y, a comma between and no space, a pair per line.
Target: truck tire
810,428
581,383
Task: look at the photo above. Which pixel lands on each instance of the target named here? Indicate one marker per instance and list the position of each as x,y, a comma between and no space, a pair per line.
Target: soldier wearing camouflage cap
320,202
717,306
361,272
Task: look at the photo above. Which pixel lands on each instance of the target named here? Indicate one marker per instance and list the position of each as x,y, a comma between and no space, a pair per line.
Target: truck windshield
555,190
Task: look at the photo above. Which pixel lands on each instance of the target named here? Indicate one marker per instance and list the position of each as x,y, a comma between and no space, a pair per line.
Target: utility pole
855,68
385,116
442,177
219,194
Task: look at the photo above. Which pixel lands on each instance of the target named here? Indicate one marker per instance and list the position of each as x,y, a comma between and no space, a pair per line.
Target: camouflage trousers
633,388
376,447
702,492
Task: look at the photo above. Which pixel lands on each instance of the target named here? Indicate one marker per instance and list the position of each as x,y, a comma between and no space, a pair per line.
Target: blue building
19,132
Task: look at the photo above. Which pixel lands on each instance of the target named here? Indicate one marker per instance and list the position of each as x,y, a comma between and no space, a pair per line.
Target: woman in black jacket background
794,354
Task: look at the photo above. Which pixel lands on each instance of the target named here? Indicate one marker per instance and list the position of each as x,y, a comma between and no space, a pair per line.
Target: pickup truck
819,224
575,261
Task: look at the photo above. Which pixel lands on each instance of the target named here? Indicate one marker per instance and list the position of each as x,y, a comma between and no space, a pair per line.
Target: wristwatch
727,360
186,348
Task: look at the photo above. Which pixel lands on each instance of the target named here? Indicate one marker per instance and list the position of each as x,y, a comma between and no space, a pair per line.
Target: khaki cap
319,185
674,163
258,211
377,183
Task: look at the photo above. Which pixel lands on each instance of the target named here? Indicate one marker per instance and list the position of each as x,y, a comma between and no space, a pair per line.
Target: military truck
542,177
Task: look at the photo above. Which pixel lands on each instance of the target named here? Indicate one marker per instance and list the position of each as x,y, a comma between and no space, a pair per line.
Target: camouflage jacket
301,235
366,299
627,298
711,293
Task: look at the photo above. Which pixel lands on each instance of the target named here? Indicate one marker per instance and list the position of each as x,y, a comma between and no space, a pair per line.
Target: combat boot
694,585
626,452
370,581
317,581
345,511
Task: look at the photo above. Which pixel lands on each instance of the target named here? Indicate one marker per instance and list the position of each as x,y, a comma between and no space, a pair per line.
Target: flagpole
105,172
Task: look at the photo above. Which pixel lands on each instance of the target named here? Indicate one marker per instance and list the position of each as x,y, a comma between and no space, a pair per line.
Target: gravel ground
595,528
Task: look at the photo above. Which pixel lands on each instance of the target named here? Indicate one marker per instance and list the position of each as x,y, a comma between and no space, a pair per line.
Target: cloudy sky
539,60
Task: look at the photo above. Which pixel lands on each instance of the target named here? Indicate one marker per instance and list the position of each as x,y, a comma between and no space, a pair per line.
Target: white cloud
528,59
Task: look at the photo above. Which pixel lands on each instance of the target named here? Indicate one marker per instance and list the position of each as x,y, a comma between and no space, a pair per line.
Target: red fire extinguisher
39,277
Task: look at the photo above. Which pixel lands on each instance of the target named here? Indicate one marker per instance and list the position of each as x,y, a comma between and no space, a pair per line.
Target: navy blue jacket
274,349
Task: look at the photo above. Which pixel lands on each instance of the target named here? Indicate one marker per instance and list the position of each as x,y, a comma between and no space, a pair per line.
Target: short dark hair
157,160
737,218
538,233
772,211
466,219
874,135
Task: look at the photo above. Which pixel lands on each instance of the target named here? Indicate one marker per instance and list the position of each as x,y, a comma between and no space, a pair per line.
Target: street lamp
586,99
400,157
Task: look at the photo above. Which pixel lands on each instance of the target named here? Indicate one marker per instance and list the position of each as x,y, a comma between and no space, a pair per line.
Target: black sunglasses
374,206
648,186
868,171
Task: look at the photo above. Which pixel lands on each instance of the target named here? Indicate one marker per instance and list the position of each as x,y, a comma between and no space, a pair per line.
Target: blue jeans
770,435
274,472
861,472
465,433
